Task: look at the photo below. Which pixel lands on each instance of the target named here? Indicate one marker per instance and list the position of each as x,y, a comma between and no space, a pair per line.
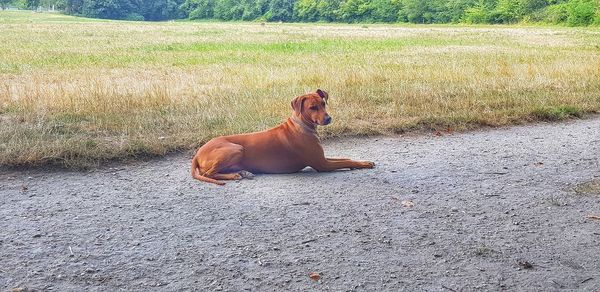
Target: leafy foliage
570,12
581,12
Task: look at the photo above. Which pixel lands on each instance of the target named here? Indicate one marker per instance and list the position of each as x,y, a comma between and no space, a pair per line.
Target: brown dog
287,148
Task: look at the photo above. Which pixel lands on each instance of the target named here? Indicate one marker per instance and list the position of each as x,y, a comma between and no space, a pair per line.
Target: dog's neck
309,129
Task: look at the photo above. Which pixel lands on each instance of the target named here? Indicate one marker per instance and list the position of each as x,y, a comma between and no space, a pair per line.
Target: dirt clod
525,264
407,204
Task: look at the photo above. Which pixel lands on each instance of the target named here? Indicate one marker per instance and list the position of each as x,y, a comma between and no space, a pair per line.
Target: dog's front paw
369,164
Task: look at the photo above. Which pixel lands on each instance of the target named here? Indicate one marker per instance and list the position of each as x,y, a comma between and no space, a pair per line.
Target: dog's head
311,107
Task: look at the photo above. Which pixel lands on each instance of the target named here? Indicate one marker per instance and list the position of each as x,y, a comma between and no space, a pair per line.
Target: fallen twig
496,173
310,240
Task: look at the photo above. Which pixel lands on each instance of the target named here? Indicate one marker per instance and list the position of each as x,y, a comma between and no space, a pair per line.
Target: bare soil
503,209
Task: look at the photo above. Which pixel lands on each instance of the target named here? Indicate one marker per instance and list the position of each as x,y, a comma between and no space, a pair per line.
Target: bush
507,11
475,15
557,13
581,12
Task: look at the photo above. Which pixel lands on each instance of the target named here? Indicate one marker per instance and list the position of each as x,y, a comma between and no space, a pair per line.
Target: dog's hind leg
224,163
227,176
233,176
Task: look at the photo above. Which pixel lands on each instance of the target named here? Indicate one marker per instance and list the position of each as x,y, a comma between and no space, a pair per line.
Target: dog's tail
196,175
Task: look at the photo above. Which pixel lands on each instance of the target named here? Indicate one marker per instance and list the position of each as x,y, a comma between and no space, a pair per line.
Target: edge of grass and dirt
78,158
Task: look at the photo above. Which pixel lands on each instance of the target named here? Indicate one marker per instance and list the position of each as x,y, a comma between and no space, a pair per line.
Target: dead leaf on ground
595,217
407,204
315,276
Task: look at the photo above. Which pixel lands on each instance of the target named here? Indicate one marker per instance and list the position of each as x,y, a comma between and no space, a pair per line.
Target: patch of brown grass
589,188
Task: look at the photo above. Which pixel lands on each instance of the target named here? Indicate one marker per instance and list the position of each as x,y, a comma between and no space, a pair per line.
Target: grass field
78,91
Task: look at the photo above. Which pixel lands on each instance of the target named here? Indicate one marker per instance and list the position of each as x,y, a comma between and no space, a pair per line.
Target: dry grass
78,91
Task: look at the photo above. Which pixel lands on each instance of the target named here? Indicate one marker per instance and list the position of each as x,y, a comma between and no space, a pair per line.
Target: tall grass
76,92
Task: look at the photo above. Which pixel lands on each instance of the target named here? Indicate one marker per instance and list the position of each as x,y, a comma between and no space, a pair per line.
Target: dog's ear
298,103
323,95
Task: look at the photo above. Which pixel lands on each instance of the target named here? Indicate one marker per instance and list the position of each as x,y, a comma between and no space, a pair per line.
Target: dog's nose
327,120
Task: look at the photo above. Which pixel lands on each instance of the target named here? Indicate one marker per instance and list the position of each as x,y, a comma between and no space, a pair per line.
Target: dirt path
486,204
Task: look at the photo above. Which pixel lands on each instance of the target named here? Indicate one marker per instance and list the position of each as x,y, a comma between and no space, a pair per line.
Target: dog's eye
314,107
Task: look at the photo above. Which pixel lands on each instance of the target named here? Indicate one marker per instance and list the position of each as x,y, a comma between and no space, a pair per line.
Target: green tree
424,11
317,10
413,11
457,8
32,4
507,11
530,6
159,9
74,7
56,4
306,10
556,13
479,13
385,10
354,10
328,10
572,12
4,3
109,9
281,10
254,9
228,10
198,9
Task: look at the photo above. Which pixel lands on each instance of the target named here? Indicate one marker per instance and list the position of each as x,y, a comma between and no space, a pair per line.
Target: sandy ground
492,210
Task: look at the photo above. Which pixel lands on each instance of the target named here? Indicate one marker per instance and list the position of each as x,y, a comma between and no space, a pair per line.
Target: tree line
571,12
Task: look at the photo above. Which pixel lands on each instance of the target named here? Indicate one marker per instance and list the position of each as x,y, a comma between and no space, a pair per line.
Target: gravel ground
501,209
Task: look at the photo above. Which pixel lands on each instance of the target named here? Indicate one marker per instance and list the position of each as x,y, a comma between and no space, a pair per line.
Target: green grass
77,91
558,113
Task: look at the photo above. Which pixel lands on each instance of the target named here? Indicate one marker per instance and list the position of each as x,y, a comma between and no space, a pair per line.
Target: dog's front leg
338,159
315,158
331,164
